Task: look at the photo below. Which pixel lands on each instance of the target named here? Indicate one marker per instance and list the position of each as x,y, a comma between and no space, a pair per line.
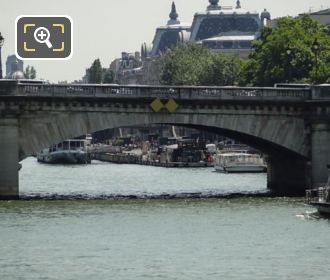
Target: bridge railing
321,92
162,92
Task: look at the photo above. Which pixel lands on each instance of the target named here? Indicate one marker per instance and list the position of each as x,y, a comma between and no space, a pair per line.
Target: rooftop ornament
173,15
213,5
2,40
265,15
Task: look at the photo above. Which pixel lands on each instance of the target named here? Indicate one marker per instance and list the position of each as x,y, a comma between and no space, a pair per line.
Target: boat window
66,145
245,44
211,45
228,45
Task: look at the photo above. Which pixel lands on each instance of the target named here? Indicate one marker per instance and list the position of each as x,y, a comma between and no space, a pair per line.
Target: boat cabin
69,145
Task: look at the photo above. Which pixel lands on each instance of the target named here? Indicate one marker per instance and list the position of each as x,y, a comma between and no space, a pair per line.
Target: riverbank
178,196
122,158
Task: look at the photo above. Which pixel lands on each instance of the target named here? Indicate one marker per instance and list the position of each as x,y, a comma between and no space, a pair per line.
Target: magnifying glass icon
41,35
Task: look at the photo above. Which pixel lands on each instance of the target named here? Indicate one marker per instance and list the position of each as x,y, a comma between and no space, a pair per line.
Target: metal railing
318,195
162,92
321,92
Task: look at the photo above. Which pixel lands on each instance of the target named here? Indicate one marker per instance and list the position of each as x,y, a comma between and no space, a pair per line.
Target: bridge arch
280,140
267,134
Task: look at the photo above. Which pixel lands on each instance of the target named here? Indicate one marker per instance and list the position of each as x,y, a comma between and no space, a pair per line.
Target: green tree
196,65
284,54
95,72
224,70
185,65
27,72
33,72
108,77
30,72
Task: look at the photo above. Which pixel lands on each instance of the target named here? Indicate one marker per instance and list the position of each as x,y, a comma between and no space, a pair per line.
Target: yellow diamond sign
171,105
156,105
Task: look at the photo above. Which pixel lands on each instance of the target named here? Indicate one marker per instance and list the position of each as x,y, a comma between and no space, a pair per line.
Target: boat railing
71,148
244,160
318,195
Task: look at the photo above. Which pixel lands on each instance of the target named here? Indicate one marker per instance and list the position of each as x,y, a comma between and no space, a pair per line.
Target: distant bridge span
291,125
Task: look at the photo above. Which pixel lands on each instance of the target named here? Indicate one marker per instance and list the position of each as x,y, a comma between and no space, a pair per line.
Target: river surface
106,221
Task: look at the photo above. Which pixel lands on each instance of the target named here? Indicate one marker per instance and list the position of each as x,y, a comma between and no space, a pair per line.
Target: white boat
72,151
239,162
320,198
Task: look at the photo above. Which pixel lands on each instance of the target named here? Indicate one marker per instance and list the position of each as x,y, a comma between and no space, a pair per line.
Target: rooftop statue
214,5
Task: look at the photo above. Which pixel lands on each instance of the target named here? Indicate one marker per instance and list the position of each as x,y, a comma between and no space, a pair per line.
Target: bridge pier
9,159
320,153
287,176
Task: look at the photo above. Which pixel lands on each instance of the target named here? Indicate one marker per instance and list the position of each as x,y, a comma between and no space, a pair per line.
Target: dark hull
322,208
241,169
65,158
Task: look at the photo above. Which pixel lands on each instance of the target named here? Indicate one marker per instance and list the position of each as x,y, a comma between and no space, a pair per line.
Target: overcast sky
105,28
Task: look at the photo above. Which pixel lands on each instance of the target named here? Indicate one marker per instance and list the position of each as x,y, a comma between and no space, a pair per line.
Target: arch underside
270,134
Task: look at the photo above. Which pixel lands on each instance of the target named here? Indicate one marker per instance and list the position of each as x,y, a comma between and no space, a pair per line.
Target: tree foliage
95,72
30,72
284,54
108,77
191,64
224,70
185,65
27,72
98,75
33,73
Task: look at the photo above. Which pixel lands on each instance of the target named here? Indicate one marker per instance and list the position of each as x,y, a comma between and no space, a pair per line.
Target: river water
106,221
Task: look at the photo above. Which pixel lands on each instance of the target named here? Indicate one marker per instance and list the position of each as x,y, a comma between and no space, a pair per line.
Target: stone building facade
13,64
225,29
322,17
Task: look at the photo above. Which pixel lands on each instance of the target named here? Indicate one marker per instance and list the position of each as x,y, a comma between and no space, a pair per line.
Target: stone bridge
291,126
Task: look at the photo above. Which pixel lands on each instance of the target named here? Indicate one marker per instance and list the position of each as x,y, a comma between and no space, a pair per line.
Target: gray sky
105,28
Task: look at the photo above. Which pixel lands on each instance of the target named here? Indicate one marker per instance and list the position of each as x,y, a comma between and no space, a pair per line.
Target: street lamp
288,52
316,48
2,40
